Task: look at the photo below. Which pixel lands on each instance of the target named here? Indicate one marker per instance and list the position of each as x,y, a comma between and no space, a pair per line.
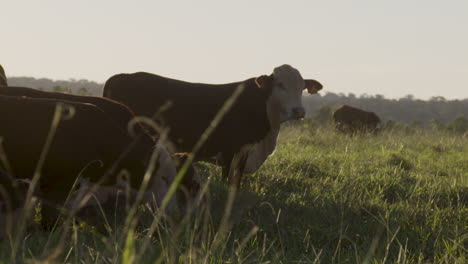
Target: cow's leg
238,165
50,211
226,164
237,169
225,172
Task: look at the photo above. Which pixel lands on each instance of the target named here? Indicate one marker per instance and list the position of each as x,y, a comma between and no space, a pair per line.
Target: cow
86,148
254,118
3,79
353,120
120,114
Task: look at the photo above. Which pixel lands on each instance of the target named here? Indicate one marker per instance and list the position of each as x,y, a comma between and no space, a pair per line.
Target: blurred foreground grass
323,197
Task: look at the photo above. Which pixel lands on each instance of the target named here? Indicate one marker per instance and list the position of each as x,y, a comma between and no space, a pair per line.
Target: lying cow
350,119
86,144
3,79
254,118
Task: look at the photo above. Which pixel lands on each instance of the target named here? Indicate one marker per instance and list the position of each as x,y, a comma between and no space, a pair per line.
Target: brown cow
87,147
254,118
350,119
117,112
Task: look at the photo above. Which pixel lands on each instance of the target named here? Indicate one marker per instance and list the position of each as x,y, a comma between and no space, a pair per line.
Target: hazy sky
394,47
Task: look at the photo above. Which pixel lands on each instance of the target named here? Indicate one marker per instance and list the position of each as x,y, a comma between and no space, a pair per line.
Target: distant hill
45,84
407,109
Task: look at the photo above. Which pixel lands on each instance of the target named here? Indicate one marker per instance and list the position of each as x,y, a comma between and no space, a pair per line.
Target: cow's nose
298,112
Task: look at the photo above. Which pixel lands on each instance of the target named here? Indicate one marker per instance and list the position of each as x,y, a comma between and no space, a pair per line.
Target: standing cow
350,119
87,147
254,118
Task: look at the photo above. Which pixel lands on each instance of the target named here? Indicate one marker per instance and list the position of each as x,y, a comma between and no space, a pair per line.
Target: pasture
323,197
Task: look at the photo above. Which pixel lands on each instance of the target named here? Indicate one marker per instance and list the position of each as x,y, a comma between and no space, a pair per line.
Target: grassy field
323,197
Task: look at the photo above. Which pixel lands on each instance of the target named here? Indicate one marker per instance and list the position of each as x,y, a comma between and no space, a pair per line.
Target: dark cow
350,119
117,112
254,118
87,147
3,79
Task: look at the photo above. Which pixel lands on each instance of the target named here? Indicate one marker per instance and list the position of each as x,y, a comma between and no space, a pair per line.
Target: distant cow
3,79
87,146
265,102
351,119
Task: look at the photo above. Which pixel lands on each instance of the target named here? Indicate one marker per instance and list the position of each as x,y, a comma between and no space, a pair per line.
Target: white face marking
91,194
162,179
189,192
287,92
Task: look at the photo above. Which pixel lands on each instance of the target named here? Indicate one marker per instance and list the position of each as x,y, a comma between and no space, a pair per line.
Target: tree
408,97
458,125
390,124
83,91
61,89
437,99
324,114
416,124
436,125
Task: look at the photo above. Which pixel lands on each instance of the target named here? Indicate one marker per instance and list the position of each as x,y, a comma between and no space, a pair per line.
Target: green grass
323,197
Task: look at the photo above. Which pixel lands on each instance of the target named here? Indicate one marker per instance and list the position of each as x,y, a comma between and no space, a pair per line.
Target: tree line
408,109
81,86
404,110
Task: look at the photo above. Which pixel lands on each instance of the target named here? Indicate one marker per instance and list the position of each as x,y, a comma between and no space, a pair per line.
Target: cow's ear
261,80
312,86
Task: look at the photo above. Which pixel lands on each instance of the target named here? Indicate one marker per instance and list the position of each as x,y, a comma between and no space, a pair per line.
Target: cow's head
162,167
287,85
187,195
162,179
190,188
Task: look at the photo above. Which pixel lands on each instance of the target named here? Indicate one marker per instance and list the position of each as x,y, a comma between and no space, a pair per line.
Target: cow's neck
273,113
261,151
266,146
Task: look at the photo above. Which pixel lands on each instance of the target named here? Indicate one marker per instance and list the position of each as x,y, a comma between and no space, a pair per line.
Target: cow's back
118,112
